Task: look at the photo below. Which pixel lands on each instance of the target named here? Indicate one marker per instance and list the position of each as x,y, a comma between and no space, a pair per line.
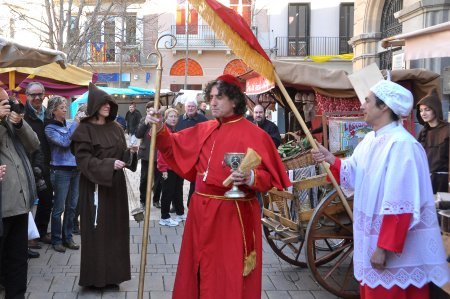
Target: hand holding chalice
241,162
234,161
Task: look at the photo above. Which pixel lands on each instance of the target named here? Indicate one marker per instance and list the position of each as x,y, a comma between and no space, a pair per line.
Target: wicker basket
299,160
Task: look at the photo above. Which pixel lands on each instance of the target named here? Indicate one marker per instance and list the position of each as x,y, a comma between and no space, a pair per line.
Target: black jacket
132,119
142,133
185,122
270,128
42,157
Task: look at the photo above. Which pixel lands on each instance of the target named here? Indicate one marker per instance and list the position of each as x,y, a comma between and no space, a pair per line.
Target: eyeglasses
33,95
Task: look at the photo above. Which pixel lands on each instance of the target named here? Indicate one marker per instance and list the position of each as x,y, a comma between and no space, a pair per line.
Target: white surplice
388,173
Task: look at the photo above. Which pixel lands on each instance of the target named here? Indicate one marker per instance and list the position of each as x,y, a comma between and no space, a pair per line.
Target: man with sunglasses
34,116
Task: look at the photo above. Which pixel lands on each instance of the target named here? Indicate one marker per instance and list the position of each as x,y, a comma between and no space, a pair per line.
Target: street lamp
186,27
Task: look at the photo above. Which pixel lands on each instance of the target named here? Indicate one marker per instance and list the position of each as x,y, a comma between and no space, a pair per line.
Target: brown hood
98,97
434,102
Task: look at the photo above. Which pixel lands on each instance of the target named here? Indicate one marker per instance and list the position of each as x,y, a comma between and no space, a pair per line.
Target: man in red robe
221,252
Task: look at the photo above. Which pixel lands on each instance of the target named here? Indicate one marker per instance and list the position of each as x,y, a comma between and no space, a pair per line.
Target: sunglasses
33,95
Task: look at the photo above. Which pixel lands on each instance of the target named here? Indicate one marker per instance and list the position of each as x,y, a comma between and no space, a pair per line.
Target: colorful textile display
346,132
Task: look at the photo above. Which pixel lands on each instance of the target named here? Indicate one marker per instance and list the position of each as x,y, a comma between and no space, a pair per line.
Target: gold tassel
249,263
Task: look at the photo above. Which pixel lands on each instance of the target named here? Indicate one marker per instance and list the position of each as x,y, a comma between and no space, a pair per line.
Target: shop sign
258,85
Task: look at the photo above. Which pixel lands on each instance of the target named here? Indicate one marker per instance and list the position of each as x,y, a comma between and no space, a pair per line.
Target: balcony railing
102,52
312,46
201,36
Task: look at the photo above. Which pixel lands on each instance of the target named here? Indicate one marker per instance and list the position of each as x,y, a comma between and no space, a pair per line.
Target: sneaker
180,218
168,222
71,245
59,248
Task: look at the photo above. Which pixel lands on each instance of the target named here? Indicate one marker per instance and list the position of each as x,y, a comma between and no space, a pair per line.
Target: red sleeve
262,180
336,170
164,145
161,164
393,231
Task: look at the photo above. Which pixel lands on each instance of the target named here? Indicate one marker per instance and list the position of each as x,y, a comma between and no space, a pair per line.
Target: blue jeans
65,187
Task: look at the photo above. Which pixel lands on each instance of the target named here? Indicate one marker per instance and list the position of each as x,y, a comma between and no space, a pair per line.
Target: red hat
230,79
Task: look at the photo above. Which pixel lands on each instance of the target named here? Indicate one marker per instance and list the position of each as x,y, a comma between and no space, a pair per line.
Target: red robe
392,236
218,231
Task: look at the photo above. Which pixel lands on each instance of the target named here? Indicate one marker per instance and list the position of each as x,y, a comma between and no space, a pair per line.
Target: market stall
308,225
67,82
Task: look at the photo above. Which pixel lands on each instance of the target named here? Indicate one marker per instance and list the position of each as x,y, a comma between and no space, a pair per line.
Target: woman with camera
63,174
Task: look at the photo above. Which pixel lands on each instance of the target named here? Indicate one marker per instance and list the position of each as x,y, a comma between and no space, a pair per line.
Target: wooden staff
313,143
151,159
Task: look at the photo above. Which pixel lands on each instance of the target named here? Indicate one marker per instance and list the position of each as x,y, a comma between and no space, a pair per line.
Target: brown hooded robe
435,141
105,256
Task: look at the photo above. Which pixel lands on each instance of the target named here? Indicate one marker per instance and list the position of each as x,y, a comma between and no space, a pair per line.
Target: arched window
236,67
179,67
390,26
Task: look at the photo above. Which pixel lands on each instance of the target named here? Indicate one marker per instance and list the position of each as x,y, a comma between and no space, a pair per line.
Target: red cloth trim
336,170
238,24
396,292
393,231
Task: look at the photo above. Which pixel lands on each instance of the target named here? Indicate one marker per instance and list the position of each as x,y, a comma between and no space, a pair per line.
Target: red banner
258,85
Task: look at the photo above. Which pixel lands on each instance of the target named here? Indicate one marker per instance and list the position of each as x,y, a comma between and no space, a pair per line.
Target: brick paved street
55,275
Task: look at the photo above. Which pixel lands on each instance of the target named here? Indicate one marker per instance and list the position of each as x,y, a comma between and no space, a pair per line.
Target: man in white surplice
398,245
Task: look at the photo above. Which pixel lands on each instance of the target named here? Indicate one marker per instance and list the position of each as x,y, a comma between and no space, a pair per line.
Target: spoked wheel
286,244
289,244
329,237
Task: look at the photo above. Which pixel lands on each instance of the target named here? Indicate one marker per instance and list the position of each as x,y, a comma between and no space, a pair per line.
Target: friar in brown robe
105,255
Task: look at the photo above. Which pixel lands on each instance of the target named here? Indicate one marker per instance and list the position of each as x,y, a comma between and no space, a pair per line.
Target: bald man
18,191
259,118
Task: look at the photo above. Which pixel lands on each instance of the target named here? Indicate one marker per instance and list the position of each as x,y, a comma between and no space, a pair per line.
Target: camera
39,179
17,107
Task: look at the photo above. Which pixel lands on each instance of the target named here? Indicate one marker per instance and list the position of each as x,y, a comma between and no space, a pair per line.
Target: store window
298,29
346,23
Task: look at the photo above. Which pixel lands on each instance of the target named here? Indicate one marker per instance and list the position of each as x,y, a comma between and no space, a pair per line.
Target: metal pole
151,159
122,33
186,28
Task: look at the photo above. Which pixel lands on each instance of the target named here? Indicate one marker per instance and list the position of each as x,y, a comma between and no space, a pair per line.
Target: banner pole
313,143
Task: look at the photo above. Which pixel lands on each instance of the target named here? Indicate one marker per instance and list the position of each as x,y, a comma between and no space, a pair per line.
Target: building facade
376,20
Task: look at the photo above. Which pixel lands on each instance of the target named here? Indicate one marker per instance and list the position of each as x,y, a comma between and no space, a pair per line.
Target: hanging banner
258,85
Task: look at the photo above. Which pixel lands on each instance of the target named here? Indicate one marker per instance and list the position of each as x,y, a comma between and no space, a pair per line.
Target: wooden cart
318,237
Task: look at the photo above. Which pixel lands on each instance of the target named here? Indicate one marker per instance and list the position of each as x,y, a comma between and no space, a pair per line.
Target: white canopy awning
430,42
13,54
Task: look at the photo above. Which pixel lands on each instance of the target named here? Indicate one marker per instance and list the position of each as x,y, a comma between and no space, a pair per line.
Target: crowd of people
73,169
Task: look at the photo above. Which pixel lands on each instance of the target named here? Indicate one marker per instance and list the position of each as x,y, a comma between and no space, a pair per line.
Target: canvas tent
13,54
130,91
66,82
335,83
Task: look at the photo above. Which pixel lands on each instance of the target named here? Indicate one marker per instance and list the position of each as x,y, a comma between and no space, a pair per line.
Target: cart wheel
291,251
329,237
290,245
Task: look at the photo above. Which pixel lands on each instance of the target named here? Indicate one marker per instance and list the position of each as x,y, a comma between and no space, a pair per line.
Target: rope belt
221,197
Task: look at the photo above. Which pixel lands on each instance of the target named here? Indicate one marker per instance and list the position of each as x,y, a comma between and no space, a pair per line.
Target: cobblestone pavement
55,275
